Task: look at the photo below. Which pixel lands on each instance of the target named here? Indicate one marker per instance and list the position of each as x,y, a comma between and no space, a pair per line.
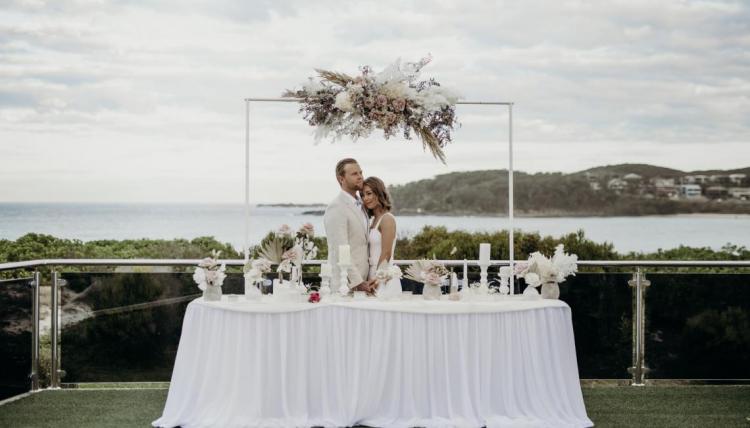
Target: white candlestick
484,254
345,255
466,275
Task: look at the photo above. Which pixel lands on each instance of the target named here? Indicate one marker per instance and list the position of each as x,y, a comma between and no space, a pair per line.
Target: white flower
354,89
394,90
565,264
435,98
312,86
254,275
199,276
532,279
344,102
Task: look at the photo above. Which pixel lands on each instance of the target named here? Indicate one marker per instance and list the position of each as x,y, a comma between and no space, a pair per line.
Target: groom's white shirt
346,223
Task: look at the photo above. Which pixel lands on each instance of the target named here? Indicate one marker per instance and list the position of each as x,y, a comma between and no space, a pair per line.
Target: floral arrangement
287,248
209,272
393,100
255,269
540,269
387,272
429,272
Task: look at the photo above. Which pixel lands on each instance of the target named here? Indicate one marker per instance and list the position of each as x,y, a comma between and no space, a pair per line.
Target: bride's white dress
393,287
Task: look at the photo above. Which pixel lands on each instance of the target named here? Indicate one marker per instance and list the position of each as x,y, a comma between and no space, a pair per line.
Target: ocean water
225,222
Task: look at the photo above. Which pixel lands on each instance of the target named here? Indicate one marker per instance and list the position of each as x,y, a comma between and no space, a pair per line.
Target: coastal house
695,179
690,191
716,192
617,185
742,193
663,187
737,178
632,178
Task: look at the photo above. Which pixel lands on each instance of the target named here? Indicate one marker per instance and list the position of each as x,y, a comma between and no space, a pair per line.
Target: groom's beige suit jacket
346,223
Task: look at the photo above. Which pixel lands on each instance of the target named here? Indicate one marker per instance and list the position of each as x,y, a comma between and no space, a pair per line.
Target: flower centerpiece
393,100
540,270
431,273
254,270
289,249
209,275
383,275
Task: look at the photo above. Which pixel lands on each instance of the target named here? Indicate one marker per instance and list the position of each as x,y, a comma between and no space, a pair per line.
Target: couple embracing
360,217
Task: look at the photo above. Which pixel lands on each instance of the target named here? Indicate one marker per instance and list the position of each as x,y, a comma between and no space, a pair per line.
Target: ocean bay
89,222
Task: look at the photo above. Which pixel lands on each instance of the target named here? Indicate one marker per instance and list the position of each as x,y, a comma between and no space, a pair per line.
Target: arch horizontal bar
297,100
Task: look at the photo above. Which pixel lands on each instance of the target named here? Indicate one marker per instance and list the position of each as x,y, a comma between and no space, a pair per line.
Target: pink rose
399,104
314,297
391,118
369,102
432,278
307,229
381,100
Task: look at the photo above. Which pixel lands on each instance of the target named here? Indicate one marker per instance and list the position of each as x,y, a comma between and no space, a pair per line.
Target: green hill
553,194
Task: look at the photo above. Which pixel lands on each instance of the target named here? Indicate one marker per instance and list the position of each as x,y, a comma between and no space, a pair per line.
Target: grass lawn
681,406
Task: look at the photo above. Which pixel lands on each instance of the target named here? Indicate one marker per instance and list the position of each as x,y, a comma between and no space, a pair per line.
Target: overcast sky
143,100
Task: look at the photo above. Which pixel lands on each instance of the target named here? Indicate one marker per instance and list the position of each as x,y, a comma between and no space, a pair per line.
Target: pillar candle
484,253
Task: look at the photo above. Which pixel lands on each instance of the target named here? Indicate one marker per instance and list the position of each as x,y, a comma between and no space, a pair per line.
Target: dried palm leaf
334,77
273,250
415,270
431,142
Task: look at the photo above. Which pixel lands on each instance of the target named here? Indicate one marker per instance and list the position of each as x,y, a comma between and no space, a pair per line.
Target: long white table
508,363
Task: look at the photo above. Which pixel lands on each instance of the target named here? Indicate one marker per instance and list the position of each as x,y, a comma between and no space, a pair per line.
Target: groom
346,223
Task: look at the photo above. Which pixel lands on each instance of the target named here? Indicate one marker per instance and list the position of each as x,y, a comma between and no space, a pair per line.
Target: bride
382,233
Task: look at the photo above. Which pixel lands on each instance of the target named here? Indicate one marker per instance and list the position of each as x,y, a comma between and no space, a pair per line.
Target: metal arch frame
297,100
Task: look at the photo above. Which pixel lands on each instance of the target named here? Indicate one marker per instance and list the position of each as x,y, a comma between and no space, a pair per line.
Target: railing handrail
240,262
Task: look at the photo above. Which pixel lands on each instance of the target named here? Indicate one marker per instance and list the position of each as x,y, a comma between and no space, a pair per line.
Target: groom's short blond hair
342,164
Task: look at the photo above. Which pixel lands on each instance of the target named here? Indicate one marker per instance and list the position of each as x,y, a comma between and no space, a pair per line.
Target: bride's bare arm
388,235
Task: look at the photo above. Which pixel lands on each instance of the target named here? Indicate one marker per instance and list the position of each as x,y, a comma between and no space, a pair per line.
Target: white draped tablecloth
509,363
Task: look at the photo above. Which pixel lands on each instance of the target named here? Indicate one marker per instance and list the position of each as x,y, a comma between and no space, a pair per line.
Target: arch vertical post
247,180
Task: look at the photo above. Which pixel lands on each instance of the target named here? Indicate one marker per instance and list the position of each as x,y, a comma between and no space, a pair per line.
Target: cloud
115,93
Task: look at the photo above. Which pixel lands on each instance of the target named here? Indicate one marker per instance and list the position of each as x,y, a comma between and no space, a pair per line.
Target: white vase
252,292
212,293
431,292
550,290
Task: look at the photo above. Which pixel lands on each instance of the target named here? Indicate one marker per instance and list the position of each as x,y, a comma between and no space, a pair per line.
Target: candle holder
325,284
483,274
504,274
344,278
465,280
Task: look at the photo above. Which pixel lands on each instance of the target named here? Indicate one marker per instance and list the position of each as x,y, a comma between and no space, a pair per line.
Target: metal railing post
55,312
638,370
35,284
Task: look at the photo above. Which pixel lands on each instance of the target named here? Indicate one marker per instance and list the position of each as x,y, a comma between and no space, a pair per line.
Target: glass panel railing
125,327
698,326
15,336
602,323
